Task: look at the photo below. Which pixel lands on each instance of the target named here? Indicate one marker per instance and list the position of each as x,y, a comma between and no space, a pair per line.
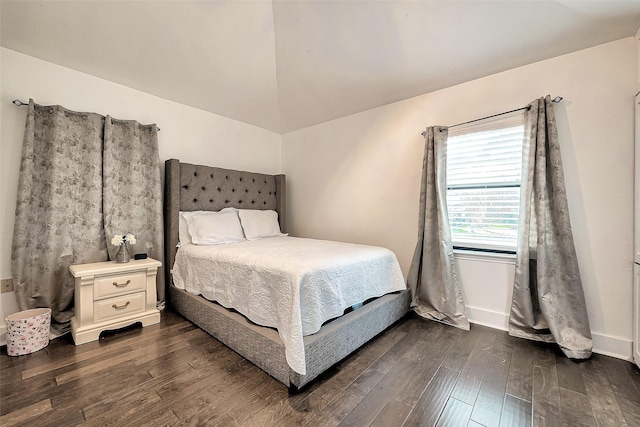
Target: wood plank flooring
417,373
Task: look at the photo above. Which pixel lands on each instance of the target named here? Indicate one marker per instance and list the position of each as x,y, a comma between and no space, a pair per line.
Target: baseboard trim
606,345
3,334
492,319
617,347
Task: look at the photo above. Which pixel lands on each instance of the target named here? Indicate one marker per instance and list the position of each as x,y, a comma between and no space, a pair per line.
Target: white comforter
289,283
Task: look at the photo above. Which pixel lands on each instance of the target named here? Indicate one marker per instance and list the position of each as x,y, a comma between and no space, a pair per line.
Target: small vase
123,254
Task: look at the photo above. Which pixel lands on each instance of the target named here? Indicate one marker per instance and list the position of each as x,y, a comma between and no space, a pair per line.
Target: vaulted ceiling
285,65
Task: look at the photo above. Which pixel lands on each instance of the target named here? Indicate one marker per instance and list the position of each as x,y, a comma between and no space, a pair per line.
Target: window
484,163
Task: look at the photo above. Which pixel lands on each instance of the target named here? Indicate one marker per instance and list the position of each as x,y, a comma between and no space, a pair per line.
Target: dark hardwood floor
418,373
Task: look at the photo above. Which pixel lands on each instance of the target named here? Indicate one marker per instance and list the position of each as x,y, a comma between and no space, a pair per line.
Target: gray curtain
433,275
548,300
59,211
59,207
132,188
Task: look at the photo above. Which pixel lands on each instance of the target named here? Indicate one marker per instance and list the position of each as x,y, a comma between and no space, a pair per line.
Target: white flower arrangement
119,239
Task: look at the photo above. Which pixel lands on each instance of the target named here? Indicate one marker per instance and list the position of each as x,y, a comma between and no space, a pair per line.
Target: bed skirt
264,348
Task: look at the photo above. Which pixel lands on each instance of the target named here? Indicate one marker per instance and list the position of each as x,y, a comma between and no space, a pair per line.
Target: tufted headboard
204,188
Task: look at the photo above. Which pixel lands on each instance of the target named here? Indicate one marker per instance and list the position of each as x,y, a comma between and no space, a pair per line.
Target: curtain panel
66,198
433,276
132,188
548,300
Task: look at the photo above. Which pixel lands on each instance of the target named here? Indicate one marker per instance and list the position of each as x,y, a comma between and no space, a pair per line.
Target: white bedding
289,283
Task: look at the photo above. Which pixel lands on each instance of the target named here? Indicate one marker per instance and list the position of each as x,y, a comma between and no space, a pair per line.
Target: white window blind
483,184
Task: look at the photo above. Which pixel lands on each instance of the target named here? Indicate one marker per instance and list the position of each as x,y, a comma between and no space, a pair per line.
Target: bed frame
192,187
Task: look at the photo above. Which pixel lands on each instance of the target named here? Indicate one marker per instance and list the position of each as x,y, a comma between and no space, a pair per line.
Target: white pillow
214,228
183,231
259,224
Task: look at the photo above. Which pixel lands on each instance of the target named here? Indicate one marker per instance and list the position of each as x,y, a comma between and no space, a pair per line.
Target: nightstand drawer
119,284
118,307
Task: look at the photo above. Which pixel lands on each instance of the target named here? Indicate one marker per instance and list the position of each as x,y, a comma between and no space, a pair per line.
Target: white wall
638,61
357,178
188,134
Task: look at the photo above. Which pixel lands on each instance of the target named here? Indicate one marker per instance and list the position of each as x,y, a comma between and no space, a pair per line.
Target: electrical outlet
6,285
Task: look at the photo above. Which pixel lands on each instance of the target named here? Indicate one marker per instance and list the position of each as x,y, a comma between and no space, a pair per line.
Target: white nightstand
112,295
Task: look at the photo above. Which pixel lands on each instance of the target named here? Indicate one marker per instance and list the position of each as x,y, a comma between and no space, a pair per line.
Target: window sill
484,256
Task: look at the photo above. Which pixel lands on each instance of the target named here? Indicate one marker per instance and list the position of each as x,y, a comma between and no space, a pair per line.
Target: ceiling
285,65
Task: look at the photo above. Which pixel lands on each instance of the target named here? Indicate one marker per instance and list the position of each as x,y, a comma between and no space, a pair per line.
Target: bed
203,188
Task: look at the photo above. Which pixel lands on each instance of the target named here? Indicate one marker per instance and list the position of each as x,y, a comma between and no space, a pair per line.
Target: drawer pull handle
120,307
121,285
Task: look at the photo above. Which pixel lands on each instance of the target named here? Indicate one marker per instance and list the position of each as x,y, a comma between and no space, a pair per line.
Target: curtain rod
557,99
19,103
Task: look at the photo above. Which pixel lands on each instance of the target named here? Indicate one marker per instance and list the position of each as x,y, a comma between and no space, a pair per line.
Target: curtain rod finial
557,99
18,103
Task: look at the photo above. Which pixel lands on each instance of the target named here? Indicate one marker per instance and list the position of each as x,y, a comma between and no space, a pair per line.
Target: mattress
291,284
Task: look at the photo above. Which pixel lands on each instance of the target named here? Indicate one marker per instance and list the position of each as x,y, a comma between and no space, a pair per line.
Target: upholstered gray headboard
204,188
